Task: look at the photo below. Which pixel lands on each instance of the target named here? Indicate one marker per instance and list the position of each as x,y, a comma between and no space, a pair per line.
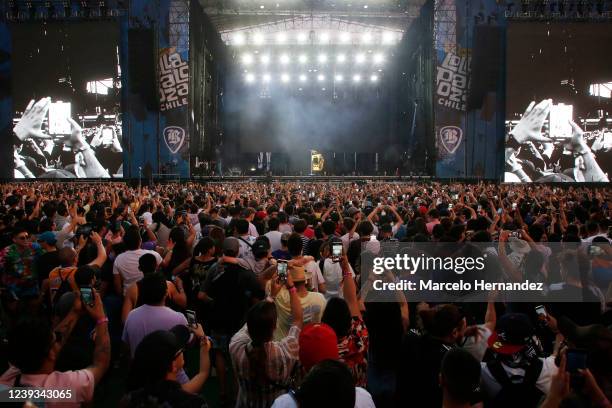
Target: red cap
318,342
423,210
498,345
261,215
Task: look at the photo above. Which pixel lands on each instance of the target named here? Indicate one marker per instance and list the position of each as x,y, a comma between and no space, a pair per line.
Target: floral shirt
18,270
352,349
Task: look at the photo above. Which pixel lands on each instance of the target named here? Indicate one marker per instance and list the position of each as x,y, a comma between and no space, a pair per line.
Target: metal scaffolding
179,25
445,25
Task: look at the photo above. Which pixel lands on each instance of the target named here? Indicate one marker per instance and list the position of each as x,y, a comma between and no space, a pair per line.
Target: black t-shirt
563,302
421,360
45,264
163,394
233,290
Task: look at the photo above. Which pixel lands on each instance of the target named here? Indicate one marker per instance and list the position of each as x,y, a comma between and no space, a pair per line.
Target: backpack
522,393
64,287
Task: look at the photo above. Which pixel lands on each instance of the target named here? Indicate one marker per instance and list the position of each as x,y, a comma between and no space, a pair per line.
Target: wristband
292,290
102,320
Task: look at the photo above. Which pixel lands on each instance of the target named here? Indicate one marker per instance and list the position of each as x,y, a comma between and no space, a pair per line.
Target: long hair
261,321
180,251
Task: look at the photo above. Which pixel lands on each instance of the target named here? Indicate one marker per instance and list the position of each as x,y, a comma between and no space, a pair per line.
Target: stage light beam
366,38
303,78
345,38
339,78
341,58
360,58
302,37
303,59
281,38
247,59
285,78
284,59
374,78
250,78
265,59
322,58
356,78
266,77
321,77
238,39
378,59
258,38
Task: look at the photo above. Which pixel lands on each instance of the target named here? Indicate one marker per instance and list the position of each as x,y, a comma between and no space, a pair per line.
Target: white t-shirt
478,348
332,273
275,240
313,275
346,240
363,399
491,387
126,265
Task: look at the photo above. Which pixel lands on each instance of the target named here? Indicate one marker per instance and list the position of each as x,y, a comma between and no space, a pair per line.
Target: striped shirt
282,356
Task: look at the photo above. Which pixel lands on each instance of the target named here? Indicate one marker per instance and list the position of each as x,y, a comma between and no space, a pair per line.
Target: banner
451,90
173,100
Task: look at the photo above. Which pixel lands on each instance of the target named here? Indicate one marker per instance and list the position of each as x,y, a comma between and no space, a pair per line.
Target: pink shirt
430,225
81,383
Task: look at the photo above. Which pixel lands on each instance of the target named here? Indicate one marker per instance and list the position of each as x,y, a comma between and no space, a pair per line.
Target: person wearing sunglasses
18,267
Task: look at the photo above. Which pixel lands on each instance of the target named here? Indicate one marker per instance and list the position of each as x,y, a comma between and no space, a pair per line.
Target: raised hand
529,128
30,124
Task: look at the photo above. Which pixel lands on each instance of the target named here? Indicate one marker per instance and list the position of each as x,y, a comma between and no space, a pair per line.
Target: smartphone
595,250
455,196
372,237
479,208
281,269
499,211
576,360
336,252
191,318
87,296
560,117
514,206
450,206
540,310
59,113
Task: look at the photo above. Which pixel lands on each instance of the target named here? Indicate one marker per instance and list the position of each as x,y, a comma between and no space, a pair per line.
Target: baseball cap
231,244
47,237
298,273
163,345
512,333
261,215
285,237
260,247
317,342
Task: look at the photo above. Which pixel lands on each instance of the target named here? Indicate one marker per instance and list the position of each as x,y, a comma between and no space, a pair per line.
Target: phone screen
59,112
595,250
540,310
372,237
560,116
337,250
282,271
191,317
576,359
87,296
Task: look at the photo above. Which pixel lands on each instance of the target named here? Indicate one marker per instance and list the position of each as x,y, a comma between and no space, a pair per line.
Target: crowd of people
104,277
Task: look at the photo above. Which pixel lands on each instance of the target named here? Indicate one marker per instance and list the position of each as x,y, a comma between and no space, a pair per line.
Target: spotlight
247,59
250,78
285,78
324,37
266,77
341,58
345,37
281,38
378,58
265,59
339,78
238,39
388,37
360,58
374,78
321,77
366,38
302,37
356,78
322,58
284,59
302,78
302,59
258,38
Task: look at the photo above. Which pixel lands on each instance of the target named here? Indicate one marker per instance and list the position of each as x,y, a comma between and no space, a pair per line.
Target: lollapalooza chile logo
174,137
450,137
